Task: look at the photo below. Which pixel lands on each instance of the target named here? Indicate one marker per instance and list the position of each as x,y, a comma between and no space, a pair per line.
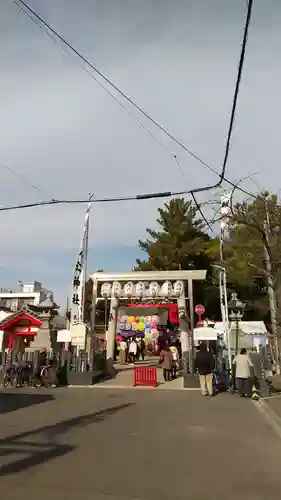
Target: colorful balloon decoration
141,327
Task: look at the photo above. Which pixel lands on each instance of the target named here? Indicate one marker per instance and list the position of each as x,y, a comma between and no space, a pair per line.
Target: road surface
104,444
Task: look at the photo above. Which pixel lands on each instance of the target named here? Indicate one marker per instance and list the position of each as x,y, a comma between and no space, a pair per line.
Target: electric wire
221,175
22,178
235,99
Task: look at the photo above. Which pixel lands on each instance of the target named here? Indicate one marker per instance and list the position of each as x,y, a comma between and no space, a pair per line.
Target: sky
64,134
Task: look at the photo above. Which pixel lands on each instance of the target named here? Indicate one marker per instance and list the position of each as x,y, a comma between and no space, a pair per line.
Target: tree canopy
181,241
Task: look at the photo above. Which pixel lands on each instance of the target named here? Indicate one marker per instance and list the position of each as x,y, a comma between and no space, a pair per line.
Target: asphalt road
103,444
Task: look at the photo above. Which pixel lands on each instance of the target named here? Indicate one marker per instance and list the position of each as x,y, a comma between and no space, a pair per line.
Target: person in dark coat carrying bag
204,363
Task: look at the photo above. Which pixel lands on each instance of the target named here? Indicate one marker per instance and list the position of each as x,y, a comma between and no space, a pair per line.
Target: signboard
199,309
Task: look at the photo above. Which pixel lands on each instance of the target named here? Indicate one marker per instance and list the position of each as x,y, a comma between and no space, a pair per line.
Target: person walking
122,351
133,350
141,349
243,366
166,359
176,359
204,363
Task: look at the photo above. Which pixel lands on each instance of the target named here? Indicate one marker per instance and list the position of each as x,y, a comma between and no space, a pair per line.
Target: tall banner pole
80,275
225,213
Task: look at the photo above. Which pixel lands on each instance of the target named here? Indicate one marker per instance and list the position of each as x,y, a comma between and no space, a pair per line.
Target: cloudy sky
60,130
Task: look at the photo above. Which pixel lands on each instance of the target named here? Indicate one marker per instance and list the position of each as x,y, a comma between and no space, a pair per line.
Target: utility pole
271,290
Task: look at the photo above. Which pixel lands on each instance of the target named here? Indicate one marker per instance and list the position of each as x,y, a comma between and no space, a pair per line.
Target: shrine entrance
141,287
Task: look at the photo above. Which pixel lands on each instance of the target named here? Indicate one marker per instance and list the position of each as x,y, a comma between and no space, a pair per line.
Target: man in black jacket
204,363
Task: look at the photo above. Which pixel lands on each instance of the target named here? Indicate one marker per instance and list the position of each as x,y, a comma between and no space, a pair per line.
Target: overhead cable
221,175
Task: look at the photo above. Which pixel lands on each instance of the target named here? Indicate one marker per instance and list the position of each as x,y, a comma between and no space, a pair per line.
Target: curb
269,415
125,387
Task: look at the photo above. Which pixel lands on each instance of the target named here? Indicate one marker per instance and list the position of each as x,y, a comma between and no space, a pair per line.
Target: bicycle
10,377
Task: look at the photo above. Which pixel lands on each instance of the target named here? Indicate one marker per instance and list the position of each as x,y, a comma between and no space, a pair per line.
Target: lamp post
236,310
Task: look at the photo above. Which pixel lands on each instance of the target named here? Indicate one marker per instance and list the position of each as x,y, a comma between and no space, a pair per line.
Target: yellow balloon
131,319
141,326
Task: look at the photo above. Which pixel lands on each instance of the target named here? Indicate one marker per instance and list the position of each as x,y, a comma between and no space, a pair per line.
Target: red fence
145,376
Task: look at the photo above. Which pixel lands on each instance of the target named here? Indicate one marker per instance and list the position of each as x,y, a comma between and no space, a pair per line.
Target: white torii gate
116,283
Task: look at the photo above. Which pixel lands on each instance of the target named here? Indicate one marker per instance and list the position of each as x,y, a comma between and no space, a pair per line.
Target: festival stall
250,334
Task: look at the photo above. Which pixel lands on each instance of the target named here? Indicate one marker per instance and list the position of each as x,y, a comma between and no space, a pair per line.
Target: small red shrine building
17,330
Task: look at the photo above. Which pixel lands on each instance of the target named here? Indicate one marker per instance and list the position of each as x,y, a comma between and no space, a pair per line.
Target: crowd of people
133,349
242,372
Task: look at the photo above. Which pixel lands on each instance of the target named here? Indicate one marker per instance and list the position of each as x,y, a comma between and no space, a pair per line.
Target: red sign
200,309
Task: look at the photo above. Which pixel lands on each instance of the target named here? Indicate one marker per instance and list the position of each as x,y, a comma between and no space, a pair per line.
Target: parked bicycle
20,375
10,377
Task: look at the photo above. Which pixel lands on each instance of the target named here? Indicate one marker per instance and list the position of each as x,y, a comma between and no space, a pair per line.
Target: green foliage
181,242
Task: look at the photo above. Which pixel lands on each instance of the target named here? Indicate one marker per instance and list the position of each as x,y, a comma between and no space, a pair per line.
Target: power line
235,98
19,176
138,197
141,110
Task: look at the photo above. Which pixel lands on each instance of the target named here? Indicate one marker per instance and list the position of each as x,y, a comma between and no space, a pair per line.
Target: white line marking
269,416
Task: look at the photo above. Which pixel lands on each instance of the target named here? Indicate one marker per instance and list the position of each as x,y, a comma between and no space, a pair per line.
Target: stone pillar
111,332
184,333
43,338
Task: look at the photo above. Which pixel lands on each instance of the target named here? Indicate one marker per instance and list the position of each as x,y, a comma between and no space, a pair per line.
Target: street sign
199,309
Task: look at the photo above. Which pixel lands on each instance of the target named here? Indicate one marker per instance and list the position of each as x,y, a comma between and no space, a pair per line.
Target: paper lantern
106,290
116,289
129,289
140,289
166,289
178,288
154,289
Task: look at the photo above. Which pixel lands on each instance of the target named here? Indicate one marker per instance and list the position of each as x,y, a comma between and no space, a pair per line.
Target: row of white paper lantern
140,290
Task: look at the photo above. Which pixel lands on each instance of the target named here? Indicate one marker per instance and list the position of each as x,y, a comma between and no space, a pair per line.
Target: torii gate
148,284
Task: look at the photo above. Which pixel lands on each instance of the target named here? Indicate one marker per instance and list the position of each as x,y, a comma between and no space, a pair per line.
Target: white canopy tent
250,333
206,333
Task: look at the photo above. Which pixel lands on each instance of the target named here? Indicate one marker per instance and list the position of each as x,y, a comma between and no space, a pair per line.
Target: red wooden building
17,330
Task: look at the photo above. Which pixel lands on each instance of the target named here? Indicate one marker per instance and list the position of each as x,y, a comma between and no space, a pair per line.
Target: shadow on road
15,401
36,453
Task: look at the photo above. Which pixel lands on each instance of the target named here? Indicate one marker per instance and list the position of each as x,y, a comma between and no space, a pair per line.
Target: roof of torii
196,274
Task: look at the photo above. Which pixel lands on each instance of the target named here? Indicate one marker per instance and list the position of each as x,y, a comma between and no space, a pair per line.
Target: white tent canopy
205,333
245,327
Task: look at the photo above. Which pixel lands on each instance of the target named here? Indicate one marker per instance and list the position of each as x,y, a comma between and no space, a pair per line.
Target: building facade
29,294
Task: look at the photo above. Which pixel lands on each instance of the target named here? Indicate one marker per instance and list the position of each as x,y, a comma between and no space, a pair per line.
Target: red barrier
145,376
